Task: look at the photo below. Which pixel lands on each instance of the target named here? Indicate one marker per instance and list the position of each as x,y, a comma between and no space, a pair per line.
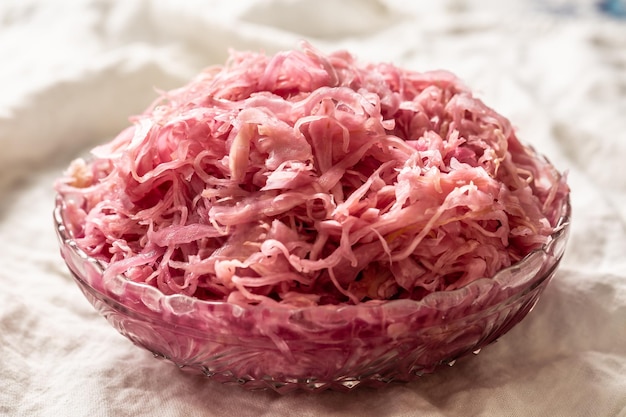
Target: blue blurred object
615,8
567,8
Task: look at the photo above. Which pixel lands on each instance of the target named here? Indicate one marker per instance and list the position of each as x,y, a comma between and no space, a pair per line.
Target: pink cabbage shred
305,179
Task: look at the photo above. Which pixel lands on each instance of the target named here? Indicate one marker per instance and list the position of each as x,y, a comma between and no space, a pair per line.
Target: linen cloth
71,74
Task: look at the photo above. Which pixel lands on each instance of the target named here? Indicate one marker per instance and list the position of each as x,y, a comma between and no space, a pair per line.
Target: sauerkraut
304,179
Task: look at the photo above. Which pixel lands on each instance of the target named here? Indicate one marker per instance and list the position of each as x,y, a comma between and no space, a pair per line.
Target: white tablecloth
72,72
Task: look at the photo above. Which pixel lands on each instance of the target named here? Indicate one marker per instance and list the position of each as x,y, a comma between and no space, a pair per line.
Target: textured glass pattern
317,348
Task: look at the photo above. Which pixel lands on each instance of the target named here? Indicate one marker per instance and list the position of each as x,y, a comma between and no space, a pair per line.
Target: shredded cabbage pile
307,179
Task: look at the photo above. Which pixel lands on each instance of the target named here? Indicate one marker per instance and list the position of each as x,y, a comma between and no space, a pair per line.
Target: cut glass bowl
323,347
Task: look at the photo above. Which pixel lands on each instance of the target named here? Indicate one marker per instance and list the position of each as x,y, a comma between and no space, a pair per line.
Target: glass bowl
322,347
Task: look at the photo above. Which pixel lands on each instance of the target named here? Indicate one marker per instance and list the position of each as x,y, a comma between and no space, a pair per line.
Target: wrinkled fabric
72,74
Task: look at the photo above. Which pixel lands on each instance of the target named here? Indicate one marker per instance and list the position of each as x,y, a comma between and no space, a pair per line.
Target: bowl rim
431,300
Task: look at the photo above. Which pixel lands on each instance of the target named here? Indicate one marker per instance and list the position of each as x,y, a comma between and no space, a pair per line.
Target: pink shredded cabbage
307,179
